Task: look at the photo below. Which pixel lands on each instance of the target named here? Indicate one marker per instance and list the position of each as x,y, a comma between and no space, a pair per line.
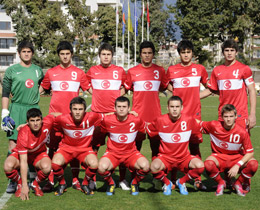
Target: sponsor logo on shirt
112,126
122,138
18,72
29,83
227,84
148,85
185,82
138,75
176,137
165,126
64,85
105,84
176,72
33,144
77,134
55,75
96,73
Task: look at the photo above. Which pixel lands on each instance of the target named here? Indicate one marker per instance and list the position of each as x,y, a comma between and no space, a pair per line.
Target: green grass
148,198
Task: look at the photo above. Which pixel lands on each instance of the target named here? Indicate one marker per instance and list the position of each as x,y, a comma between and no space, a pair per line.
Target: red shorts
70,153
172,163
226,161
128,160
99,138
32,158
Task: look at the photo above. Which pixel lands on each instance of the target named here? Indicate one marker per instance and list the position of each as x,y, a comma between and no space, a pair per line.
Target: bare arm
122,91
251,121
205,93
41,90
90,90
5,102
23,171
170,87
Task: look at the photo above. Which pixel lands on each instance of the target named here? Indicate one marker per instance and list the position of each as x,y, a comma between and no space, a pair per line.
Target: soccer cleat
37,190
11,188
167,189
182,187
134,189
111,189
48,187
76,185
198,185
61,189
86,189
239,190
18,191
124,185
92,184
220,189
246,187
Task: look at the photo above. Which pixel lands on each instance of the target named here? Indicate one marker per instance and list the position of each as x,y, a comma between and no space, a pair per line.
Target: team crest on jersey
105,84
223,145
185,82
176,137
29,83
227,84
122,138
148,85
64,85
77,134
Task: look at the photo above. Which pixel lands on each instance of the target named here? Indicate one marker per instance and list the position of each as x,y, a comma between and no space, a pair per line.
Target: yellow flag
130,27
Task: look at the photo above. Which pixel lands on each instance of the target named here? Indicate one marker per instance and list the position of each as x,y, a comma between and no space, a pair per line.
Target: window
7,43
2,8
5,25
6,60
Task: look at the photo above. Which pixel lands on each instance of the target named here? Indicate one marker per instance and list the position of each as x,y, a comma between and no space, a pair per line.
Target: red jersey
231,82
145,83
227,142
65,84
27,142
174,136
186,84
106,84
74,135
122,135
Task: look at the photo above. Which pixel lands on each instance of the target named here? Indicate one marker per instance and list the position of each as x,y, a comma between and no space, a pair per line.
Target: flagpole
135,32
143,21
117,22
148,23
128,33
123,34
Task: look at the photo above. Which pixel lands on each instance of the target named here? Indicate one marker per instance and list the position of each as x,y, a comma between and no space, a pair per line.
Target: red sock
140,174
192,174
40,177
13,175
213,171
89,174
108,177
74,164
58,172
122,172
51,177
248,172
161,176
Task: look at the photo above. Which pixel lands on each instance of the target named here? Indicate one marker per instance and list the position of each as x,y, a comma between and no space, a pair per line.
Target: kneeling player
227,141
122,129
175,131
30,149
77,128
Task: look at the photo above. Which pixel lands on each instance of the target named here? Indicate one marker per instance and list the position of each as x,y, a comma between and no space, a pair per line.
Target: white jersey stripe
125,138
184,82
175,138
69,86
101,84
150,85
230,84
78,134
225,145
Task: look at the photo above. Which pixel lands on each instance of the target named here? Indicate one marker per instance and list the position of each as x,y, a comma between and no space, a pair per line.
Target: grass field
148,198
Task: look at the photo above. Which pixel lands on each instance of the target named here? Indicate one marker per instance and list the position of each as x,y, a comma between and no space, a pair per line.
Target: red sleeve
84,83
22,140
123,77
164,82
247,72
168,74
204,76
103,125
213,83
46,84
49,119
247,145
98,118
57,124
141,126
205,126
128,82
88,75
151,129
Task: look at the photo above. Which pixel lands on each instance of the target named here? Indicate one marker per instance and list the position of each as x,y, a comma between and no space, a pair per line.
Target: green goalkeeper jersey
23,84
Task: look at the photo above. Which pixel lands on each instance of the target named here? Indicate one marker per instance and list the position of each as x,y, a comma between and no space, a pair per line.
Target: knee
93,163
46,168
209,164
102,167
8,166
253,165
199,164
155,166
144,165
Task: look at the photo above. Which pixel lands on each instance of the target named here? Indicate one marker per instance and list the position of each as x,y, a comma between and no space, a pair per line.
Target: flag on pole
130,27
148,17
136,22
123,20
117,15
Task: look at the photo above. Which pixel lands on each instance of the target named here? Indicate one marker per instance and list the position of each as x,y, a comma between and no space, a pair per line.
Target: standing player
106,82
227,140
145,80
30,149
65,80
175,131
77,128
232,80
185,79
122,129
22,82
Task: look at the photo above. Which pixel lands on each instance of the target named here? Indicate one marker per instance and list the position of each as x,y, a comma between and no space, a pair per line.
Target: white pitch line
5,197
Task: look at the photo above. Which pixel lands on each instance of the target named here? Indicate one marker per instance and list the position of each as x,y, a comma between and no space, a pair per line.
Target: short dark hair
105,46
185,45
228,108
34,112
78,100
174,98
147,44
230,43
64,45
25,44
122,99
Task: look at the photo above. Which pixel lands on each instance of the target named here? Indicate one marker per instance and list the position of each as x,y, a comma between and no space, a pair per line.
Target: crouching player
227,141
122,129
175,131
30,149
77,128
